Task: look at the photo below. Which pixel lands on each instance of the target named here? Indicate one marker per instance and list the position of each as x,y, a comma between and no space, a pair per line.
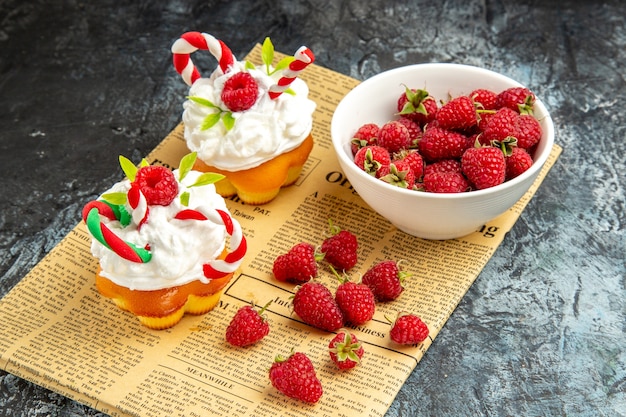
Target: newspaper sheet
61,334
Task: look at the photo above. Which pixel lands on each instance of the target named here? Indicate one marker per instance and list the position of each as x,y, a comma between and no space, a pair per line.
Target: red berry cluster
299,264
295,375
353,303
468,143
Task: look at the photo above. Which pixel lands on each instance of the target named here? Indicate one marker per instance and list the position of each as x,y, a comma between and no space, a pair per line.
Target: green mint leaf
115,198
249,65
202,101
184,198
144,163
130,170
210,121
283,63
228,119
207,178
267,53
186,164
290,91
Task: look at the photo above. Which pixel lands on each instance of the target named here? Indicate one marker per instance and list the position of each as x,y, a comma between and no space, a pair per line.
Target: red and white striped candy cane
303,57
238,246
129,251
137,201
189,43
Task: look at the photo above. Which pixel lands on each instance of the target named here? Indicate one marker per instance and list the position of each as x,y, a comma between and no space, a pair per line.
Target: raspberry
157,184
484,98
480,119
314,304
394,136
247,326
385,280
457,114
528,131
398,173
366,135
240,92
500,125
517,162
356,302
508,123
484,167
438,143
519,99
445,182
371,158
415,132
418,106
296,266
444,165
345,350
414,160
296,378
408,329
340,249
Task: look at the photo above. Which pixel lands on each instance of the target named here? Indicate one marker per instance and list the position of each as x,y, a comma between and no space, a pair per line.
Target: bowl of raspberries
441,149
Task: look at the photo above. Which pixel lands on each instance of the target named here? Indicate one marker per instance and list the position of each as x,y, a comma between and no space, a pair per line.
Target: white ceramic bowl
423,214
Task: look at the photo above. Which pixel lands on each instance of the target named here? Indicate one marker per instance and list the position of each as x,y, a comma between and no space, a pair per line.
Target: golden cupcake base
195,306
162,309
261,184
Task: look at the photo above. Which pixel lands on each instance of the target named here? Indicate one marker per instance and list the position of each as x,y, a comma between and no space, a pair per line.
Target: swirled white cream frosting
179,248
269,128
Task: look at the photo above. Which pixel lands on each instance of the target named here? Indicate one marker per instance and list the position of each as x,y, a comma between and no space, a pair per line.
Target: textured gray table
540,333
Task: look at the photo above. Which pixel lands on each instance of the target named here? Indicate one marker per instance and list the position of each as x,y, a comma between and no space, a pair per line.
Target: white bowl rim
548,135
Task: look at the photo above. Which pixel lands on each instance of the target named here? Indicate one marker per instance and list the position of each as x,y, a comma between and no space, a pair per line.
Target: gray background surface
541,331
